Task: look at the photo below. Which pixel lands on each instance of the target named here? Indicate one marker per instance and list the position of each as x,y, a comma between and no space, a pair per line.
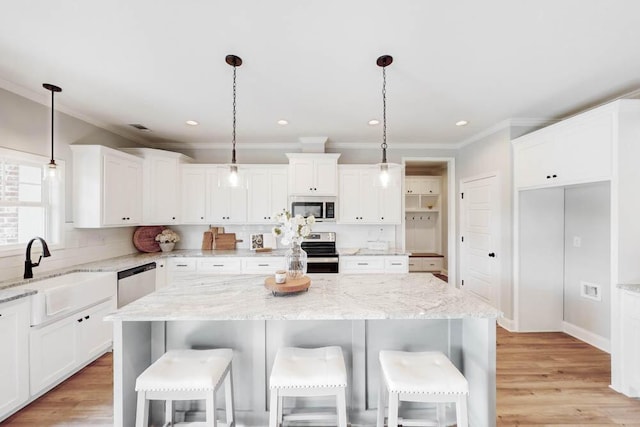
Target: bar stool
306,372
187,375
420,377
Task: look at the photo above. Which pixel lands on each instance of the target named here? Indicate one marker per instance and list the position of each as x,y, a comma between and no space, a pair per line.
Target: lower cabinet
631,342
262,265
374,264
59,348
426,264
14,356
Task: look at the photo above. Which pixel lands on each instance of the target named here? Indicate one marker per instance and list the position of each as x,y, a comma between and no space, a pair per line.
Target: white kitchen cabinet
262,264
574,151
161,273
422,185
58,349
377,264
193,184
160,184
361,201
216,264
313,174
107,187
14,357
267,193
631,342
426,264
225,204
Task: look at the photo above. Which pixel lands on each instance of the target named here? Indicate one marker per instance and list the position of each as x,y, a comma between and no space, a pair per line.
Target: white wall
587,217
25,126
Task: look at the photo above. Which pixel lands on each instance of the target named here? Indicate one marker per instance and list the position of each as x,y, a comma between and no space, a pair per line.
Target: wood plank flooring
542,378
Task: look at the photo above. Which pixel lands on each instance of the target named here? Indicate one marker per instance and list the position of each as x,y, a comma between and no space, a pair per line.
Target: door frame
451,210
497,203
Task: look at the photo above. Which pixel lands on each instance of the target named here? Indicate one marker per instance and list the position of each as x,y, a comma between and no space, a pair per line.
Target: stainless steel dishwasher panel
135,283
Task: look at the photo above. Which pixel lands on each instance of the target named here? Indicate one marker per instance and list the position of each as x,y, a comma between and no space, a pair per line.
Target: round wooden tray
144,238
290,286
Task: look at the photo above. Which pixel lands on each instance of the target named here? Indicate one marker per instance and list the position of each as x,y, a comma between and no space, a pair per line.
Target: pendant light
384,177
234,61
52,169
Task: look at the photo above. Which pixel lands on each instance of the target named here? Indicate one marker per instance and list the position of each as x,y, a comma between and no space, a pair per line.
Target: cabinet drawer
431,264
222,265
182,264
262,265
396,264
353,264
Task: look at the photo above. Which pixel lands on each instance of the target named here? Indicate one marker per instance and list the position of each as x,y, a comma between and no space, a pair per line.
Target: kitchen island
362,313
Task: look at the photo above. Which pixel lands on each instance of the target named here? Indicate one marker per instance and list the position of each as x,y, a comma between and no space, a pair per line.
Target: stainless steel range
322,256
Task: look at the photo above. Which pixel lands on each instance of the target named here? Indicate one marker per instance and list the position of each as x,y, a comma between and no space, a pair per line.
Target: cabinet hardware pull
263,265
492,255
86,317
218,265
548,176
363,263
79,320
181,265
396,263
554,176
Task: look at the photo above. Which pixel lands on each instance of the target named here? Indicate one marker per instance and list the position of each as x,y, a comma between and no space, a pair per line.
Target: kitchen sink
63,295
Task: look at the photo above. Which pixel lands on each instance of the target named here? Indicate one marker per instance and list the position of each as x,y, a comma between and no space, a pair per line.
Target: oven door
308,208
322,265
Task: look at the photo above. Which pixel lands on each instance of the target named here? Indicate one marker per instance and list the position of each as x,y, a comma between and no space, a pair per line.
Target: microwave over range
322,208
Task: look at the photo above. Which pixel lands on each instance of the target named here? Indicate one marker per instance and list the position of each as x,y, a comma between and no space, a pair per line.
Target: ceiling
313,63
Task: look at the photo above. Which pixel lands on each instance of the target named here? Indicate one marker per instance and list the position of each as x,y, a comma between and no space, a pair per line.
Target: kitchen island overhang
361,313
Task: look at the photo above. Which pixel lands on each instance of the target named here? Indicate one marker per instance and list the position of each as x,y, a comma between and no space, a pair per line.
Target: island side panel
479,368
131,356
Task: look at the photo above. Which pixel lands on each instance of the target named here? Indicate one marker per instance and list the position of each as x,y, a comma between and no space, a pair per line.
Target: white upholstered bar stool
187,375
420,377
307,372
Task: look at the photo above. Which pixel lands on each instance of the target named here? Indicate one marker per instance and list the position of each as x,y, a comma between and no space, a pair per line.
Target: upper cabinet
160,185
362,201
313,174
107,187
193,183
267,192
574,151
422,185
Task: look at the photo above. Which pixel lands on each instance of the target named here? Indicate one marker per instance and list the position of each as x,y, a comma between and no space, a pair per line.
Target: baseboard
589,337
507,323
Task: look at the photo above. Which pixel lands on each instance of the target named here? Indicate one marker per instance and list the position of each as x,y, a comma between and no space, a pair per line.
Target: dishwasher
135,283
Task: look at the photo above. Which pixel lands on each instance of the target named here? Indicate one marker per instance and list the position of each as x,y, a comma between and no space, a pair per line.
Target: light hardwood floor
543,379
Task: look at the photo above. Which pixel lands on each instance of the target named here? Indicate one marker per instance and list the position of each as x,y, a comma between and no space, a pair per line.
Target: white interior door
480,225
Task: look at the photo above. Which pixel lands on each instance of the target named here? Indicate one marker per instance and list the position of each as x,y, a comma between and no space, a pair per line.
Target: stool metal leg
142,411
392,420
274,408
341,402
211,410
462,417
228,399
381,405
280,409
168,412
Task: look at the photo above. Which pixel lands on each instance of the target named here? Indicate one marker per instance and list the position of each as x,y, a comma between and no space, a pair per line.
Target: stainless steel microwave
322,208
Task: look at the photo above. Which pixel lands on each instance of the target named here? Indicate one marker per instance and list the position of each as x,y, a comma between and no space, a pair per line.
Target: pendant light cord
384,115
52,110
233,151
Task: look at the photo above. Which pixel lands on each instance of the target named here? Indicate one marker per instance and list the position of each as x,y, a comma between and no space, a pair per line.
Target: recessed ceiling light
283,122
462,123
140,127
374,122
192,123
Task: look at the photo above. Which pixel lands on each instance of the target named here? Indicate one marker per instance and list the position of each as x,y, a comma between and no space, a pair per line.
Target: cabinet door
362,264
131,192
536,162
301,177
163,191
258,201
368,197
412,185
53,353
194,195
14,357
279,195
325,177
95,335
431,186
389,201
113,202
350,196
226,204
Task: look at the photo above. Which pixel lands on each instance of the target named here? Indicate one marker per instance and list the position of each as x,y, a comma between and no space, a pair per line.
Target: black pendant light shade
53,89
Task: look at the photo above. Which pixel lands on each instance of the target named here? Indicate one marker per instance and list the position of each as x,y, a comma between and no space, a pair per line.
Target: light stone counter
331,296
370,252
362,314
630,287
7,295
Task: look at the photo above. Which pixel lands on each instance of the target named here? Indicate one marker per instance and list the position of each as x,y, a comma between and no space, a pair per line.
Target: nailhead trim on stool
420,377
187,375
304,372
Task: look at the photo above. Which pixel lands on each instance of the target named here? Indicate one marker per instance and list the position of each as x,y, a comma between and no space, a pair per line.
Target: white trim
44,99
505,124
451,210
506,323
589,337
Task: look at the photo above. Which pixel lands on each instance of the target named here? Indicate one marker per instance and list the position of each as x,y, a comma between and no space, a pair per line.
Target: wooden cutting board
225,241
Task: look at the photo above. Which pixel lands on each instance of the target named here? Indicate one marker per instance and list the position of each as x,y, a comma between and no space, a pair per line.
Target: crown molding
392,145
281,146
505,124
45,99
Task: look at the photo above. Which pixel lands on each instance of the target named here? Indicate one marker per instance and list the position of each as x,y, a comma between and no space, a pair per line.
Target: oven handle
322,260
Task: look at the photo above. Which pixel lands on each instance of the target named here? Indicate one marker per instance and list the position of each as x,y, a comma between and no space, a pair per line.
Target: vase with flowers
292,230
167,239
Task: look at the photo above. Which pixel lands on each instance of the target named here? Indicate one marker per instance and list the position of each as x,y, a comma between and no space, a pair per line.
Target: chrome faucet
28,265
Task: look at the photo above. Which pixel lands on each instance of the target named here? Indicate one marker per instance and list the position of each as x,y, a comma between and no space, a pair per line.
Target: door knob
492,255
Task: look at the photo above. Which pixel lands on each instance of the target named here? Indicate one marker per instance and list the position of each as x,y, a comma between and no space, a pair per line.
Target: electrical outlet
577,241
590,291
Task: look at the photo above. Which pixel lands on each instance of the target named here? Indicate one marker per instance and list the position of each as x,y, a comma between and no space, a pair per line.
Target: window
29,207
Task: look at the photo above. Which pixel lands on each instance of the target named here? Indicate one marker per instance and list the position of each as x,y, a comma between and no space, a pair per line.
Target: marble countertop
370,252
630,287
11,294
330,297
